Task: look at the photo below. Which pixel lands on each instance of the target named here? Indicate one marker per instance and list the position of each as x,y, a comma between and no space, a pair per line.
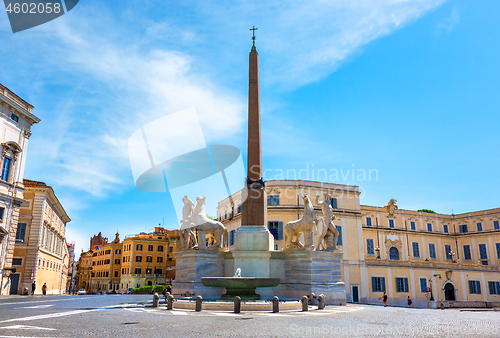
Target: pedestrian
44,289
33,287
409,302
169,289
384,298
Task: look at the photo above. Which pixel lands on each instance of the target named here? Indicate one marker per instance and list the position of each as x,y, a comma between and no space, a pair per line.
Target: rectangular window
117,260
391,223
369,247
445,228
138,271
231,237
7,161
333,203
494,287
21,232
496,225
239,209
474,287
369,221
138,258
467,255
276,229
413,226
416,250
378,284
273,200
479,226
401,284
14,117
150,247
339,239
160,248
483,254
463,228
432,250
170,249
423,285
17,261
498,250
429,227
1,213
447,250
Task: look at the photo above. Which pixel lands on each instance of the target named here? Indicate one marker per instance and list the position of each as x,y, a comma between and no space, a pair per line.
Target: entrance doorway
355,293
449,292
14,284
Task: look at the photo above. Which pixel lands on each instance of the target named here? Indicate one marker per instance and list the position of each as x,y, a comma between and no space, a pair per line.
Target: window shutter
471,287
498,287
406,284
491,286
383,283
478,287
280,230
374,289
339,239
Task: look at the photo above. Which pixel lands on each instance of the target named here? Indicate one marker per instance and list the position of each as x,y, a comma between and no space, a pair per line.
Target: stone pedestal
308,272
191,265
252,250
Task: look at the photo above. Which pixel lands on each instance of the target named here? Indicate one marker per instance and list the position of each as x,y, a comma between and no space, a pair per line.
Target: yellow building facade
138,260
448,258
40,252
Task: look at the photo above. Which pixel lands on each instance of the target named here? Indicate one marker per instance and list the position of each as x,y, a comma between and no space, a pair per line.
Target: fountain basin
244,287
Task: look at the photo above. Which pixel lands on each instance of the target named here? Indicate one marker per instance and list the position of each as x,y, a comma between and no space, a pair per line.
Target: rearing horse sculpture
294,229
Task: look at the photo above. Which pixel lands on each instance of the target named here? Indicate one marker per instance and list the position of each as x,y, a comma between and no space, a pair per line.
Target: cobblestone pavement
133,316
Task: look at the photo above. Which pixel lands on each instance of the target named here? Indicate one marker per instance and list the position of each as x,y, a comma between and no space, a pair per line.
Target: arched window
394,254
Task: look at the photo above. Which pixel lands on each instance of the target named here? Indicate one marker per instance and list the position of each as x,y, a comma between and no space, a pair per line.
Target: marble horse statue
188,236
206,225
294,229
329,234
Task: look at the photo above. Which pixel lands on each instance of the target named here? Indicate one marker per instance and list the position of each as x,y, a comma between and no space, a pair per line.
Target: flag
96,247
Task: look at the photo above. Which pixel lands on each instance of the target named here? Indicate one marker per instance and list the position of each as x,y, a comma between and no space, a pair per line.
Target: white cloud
449,23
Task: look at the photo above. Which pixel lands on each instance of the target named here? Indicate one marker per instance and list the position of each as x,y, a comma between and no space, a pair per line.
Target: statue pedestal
191,265
252,251
307,272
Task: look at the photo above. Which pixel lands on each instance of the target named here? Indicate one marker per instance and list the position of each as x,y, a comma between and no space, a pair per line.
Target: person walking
384,299
409,302
44,289
33,287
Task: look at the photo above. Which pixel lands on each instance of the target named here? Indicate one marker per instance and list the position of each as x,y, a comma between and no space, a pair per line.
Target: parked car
81,292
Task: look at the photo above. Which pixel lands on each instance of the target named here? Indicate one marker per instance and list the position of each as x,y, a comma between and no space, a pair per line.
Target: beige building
40,252
403,252
16,119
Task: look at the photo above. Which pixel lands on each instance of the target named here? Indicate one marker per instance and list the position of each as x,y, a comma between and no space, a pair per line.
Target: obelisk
254,209
252,241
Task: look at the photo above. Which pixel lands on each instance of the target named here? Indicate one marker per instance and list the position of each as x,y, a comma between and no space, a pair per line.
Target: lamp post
378,252
430,289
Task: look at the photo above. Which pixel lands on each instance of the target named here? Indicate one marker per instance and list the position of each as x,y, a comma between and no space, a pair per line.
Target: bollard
199,300
442,306
237,304
155,299
170,302
166,296
276,304
304,304
321,302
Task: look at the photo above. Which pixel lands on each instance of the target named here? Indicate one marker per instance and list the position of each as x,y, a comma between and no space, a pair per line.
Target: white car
81,292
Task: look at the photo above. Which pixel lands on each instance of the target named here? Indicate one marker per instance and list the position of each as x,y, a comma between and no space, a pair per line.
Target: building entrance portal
449,292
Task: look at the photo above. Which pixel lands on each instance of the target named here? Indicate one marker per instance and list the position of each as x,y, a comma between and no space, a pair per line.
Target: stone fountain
297,271
244,287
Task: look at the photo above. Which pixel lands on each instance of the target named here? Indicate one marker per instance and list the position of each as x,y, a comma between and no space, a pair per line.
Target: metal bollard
170,302
276,304
237,304
304,304
199,300
321,302
156,297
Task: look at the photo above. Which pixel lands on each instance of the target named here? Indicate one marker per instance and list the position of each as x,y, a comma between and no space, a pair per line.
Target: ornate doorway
449,291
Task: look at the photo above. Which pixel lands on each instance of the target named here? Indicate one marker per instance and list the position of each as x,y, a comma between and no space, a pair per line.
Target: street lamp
378,252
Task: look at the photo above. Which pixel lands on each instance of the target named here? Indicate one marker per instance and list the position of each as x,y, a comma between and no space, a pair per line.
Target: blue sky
408,88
